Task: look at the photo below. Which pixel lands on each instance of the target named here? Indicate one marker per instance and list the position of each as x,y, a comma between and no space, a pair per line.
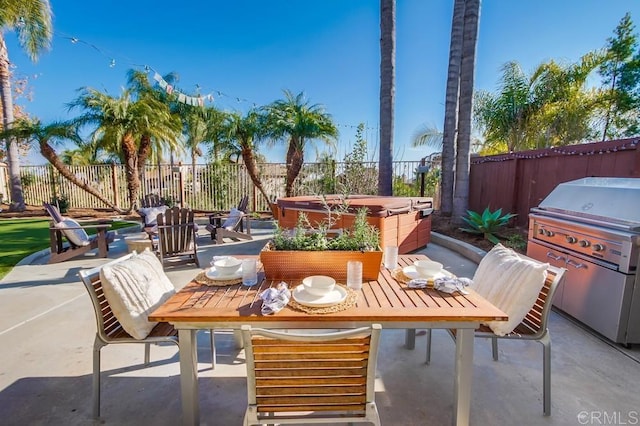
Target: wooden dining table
384,301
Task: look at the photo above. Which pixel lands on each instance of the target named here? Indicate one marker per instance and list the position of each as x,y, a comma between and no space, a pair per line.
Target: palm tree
199,125
550,107
465,106
243,133
449,132
387,94
44,135
294,118
31,19
130,128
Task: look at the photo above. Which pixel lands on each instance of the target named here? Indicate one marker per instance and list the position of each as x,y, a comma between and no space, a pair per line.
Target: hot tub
403,221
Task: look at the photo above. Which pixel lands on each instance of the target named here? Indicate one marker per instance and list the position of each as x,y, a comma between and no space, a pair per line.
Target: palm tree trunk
451,110
131,170
13,156
51,156
254,174
467,66
295,160
387,94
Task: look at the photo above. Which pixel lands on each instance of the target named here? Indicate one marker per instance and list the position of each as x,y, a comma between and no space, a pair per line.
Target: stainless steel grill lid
600,198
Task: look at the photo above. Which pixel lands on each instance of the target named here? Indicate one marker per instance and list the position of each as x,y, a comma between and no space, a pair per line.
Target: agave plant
486,224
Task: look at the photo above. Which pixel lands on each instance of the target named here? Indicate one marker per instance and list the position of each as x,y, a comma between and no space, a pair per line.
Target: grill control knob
571,240
540,231
598,247
584,243
550,233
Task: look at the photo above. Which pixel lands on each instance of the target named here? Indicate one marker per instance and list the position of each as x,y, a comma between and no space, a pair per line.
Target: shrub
486,224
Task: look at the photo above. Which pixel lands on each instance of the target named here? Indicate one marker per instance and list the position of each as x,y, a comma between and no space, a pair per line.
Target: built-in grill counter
591,226
403,221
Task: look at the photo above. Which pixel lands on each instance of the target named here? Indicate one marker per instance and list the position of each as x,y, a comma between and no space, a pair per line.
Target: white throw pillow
77,236
134,288
511,283
151,214
234,217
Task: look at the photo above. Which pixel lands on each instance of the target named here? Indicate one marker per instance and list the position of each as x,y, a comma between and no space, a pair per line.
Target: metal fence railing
211,187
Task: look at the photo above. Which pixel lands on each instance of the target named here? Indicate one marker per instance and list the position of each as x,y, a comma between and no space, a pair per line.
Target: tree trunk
295,160
451,110
131,170
387,94
51,156
252,169
13,156
467,66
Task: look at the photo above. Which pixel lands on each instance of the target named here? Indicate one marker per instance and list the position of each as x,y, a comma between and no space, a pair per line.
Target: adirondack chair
151,205
176,237
68,238
234,224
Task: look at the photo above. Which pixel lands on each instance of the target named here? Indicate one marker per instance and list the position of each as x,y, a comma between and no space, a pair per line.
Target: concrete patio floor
47,328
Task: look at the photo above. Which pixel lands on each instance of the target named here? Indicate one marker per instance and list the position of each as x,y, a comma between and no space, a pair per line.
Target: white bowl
227,266
318,285
427,268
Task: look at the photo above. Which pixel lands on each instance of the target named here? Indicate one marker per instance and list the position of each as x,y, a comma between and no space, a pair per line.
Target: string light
580,150
170,89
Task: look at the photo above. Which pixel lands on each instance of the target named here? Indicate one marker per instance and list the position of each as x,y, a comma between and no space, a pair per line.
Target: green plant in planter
361,237
486,224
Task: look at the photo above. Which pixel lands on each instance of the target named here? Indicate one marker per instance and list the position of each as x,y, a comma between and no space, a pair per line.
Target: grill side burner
592,227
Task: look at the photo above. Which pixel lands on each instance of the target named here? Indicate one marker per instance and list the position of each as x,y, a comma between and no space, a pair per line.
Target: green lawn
21,237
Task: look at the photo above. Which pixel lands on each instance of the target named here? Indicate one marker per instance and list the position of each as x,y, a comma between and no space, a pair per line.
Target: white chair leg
213,351
546,371
147,353
428,360
97,346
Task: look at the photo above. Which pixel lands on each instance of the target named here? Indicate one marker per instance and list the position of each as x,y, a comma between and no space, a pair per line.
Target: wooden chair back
176,236
331,375
151,200
243,205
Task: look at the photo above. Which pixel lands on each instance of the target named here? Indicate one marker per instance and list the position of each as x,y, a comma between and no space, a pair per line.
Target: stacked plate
424,269
319,291
225,268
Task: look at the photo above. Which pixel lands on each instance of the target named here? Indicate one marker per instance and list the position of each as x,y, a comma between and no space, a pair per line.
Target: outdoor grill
591,226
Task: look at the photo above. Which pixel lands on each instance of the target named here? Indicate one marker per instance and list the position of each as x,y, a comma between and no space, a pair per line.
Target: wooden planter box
402,221
280,264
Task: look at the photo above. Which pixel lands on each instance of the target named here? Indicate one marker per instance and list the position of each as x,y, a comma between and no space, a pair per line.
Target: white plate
214,274
335,296
411,272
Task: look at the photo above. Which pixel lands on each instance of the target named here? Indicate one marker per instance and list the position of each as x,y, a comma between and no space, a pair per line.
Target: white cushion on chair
511,283
151,214
234,217
77,236
134,288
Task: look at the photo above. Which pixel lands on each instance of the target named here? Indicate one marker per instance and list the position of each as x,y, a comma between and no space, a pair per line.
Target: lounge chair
234,224
68,238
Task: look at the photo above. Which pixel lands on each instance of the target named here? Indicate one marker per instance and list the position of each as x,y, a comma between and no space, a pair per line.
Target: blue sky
246,52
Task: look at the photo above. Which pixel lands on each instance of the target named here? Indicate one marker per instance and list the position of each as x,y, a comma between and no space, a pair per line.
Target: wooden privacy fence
518,181
207,187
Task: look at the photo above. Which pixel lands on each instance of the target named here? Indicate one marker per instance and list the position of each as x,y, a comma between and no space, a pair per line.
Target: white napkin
451,284
275,298
418,283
